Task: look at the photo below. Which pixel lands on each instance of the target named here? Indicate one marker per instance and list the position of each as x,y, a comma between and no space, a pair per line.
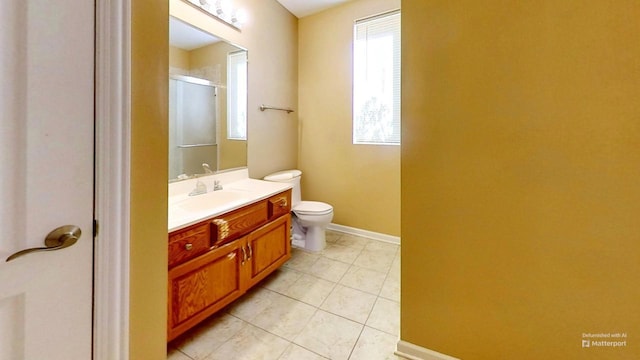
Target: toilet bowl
310,218
313,217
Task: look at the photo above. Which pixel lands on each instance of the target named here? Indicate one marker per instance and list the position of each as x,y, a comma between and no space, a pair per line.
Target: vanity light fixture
222,10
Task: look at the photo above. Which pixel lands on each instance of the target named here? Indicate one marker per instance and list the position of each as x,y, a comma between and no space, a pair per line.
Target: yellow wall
179,58
362,182
149,141
270,35
520,177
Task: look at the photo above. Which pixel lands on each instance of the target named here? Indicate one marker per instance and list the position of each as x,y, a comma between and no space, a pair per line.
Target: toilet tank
292,177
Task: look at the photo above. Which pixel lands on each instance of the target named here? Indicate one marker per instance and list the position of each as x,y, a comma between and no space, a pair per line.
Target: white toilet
310,218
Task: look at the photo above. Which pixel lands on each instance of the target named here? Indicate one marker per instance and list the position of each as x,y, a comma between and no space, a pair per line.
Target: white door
46,177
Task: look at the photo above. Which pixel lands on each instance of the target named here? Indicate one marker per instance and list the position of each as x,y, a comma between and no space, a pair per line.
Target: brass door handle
250,251
60,238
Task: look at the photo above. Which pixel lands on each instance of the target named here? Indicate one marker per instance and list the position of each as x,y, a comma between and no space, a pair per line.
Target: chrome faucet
216,185
201,188
207,169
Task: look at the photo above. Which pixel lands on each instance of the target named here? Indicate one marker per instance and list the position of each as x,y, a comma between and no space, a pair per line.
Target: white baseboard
365,233
410,351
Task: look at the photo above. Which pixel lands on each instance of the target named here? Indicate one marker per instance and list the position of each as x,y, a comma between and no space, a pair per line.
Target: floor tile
208,335
391,287
295,352
353,241
385,316
341,253
301,260
363,279
374,245
332,236
395,266
310,289
375,345
377,260
329,269
329,335
251,343
252,303
350,303
284,317
281,279
175,354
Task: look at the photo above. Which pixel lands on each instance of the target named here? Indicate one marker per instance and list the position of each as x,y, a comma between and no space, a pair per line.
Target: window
376,80
237,95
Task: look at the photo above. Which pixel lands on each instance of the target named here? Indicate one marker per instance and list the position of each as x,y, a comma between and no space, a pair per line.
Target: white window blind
237,95
376,80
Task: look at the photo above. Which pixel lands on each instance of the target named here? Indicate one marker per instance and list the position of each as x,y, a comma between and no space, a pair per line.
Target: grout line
305,325
356,343
183,353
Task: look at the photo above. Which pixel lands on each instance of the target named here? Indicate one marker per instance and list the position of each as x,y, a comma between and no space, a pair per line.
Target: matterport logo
611,340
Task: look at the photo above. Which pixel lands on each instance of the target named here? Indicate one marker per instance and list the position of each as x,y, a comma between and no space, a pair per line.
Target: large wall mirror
207,103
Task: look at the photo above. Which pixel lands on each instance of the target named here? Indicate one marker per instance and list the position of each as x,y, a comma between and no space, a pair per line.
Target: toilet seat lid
312,207
283,175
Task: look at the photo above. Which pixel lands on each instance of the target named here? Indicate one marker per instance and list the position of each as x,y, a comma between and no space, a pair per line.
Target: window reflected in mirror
237,100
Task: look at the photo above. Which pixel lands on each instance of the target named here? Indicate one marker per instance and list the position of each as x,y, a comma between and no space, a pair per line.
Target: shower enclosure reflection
192,126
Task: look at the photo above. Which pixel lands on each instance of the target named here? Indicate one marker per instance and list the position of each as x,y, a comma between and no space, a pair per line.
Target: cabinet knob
283,202
188,246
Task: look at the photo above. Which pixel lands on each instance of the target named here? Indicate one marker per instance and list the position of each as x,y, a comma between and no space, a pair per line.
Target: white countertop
238,191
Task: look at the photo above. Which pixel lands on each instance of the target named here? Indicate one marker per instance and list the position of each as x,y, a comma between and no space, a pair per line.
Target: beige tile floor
342,303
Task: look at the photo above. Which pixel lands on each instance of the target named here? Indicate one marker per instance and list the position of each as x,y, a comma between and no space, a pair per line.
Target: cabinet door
204,285
268,248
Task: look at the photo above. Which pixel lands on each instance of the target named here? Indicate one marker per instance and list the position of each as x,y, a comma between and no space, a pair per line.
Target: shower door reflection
192,125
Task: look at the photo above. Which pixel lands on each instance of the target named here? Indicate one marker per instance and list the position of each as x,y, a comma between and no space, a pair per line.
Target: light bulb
219,10
239,17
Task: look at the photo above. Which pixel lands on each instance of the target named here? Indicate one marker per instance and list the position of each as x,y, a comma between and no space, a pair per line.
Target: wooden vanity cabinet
200,286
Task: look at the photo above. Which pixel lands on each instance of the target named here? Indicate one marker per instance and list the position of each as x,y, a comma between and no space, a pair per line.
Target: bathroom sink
212,200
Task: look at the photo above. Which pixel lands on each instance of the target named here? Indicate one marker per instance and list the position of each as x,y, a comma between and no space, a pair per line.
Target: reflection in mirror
207,102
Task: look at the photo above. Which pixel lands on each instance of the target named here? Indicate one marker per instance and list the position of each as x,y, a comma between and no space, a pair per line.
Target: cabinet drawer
279,204
237,223
188,243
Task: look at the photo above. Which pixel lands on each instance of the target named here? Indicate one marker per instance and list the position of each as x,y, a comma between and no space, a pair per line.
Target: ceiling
302,8
187,37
